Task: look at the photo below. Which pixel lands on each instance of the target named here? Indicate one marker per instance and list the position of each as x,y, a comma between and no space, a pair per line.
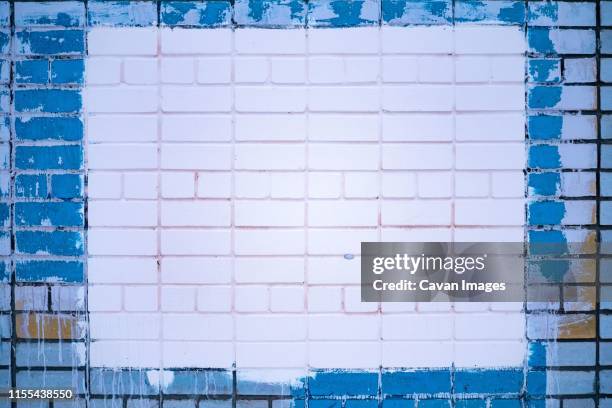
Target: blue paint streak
67,71
65,214
416,382
544,70
49,157
489,381
343,383
48,100
46,271
546,184
539,40
32,72
49,128
31,186
544,157
67,186
545,127
346,13
546,212
209,14
50,42
65,243
541,97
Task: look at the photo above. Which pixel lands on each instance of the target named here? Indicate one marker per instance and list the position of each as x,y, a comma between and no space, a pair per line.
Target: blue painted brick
285,13
324,403
5,353
5,379
5,243
51,42
606,156
545,184
471,403
122,13
605,212
606,69
49,128
65,214
5,13
67,71
67,186
606,97
31,186
570,382
544,157
32,71
121,382
5,215
74,380
5,271
606,12
5,42
546,212
578,403
48,100
572,353
343,383
488,381
606,126
343,13
65,14
562,41
416,382
542,97
48,157
605,353
545,127
408,12
66,243
490,11
200,382
5,184
361,403
605,326
189,13
544,70
536,382
4,156
49,271
168,403
434,403
398,403
50,354
247,385
506,403
606,41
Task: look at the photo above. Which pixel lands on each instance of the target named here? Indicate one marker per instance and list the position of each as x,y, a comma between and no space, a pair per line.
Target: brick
269,213
194,213
192,99
196,128
265,41
124,41
56,42
195,242
140,71
122,128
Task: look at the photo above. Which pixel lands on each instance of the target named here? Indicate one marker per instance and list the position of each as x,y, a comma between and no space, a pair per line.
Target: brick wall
567,161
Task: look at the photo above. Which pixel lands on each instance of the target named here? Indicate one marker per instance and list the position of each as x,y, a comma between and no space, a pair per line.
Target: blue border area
547,126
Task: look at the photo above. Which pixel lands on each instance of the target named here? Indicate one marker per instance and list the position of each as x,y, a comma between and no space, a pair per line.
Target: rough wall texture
43,298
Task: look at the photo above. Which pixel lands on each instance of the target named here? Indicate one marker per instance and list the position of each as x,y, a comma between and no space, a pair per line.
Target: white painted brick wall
233,175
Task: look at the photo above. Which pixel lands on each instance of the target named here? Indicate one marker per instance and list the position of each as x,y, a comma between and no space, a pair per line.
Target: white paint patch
233,175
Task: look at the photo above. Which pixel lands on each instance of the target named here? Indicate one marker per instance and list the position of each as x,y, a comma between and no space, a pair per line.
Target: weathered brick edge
42,205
